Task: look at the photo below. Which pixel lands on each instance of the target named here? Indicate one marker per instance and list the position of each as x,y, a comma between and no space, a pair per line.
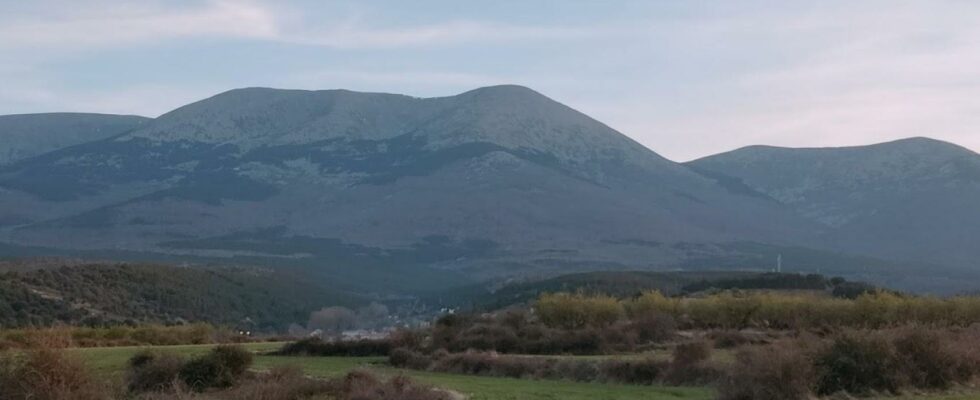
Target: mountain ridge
495,181
911,198
28,135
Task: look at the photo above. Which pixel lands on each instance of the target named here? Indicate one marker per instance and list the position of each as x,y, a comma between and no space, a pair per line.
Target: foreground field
111,361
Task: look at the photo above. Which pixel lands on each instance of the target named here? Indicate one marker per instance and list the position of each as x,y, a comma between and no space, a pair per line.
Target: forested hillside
105,294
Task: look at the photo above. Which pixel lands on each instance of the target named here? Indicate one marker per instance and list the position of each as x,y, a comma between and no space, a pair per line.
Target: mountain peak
503,90
925,144
509,116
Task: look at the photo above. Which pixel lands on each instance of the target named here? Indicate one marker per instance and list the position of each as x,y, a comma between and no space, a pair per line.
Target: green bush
220,368
406,358
151,371
637,372
858,363
349,348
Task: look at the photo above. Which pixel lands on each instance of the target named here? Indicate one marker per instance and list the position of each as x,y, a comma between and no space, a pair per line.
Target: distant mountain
27,135
395,194
914,199
495,178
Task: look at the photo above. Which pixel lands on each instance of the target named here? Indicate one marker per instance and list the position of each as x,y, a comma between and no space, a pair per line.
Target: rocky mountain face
27,135
498,181
915,199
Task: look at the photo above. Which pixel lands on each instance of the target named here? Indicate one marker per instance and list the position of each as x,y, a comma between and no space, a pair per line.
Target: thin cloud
133,25
108,26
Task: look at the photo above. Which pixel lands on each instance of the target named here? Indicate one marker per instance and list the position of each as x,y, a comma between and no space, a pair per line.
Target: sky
685,78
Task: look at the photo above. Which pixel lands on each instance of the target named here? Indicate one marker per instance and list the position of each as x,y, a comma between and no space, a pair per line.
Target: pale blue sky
685,78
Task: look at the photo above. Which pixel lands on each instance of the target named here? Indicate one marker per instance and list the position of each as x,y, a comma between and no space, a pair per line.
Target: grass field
111,361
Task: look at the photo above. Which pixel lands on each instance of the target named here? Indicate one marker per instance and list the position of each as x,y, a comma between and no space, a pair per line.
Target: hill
27,135
913,199
491,182
108,293
388,194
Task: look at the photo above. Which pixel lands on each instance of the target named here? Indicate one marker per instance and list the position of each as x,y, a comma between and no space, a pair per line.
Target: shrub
637,372
406,338
152,371
727,339
47,374
573,311
280,383
574,370
220,368
407,358
769,373
857,363
472,363
689,365
361,385
925,359
291,384
654,327
691,353
352,348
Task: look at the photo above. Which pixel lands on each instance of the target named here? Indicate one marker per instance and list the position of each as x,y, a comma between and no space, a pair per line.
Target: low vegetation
352,348
122,335
788,345
223,373
689,366
770,310
859,363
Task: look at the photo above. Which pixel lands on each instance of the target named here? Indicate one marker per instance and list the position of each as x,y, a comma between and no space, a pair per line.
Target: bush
152,371
291,384
654,327
925,359
220,368
859,364
636,372
361,385
728,339
47,374
691,353
689,365
573,311
407,358
281,383
769,373
352,348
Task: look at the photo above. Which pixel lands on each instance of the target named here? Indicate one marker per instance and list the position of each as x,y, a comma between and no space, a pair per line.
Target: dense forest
100,294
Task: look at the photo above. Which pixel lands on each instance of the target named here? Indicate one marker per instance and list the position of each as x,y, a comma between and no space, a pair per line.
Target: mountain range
393,194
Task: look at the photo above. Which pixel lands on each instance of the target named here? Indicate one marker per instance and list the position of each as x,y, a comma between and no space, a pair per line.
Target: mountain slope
911,199
498,180
26,135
